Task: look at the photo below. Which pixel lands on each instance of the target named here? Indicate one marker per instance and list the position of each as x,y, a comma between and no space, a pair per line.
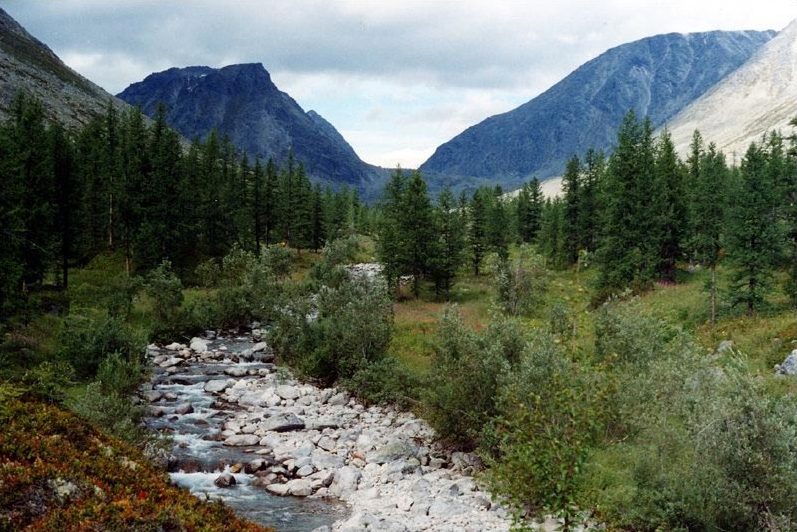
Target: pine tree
478,245
391,243
450,243
709,202
416,223
754,237
669,213
571,215
627,252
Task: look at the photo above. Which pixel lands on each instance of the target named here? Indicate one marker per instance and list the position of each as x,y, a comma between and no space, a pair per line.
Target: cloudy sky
396,78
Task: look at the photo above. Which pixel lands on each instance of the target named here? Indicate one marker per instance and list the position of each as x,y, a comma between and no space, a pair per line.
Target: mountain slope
760,96
26,64
656,76
242,102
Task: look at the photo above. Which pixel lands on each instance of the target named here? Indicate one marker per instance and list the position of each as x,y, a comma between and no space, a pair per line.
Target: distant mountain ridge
759,97
656,76
28,65
242,102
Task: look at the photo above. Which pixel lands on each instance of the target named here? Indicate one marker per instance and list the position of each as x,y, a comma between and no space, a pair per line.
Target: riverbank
298,441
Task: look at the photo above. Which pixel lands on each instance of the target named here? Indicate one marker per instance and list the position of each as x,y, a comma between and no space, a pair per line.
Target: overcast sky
396,78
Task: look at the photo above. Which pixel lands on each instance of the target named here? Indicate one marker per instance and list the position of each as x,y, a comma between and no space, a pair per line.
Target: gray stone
287,392
339,399
299,487
392,451
259,346
789,366
305,471
236,371
217,385
324,460
184,408
278,489
198,345
171,362
242,440
345,480
446,509
284,423
225,480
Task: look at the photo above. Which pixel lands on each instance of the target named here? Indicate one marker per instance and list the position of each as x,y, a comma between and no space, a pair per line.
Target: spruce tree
754,235
709,205
450,244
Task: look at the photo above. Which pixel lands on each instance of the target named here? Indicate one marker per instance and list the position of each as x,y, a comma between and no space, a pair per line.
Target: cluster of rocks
311,442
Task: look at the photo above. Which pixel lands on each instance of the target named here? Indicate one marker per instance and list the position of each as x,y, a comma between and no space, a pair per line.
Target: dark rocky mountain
657,76
28,65
242,102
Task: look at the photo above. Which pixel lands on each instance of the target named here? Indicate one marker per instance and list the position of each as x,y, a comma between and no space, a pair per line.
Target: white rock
198,345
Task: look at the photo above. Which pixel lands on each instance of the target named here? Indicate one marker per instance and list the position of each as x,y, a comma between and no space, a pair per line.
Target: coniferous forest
572,342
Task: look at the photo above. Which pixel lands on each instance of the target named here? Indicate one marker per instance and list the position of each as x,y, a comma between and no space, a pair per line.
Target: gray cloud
419,59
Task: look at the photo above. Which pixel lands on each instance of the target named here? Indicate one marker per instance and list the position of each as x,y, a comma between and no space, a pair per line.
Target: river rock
174,346
236,371
287,392
361,522
218,385
198,345
242,440
283,423
394,450
225,480
259,346
278,489
345,480
171,362
184,408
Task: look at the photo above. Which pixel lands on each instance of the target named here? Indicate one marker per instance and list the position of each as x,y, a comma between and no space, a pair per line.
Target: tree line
132,185
634,216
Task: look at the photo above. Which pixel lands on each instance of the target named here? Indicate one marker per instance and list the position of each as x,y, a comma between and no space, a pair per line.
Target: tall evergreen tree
571,215
669,207
478,244
627,254
450,244
709,202
754,238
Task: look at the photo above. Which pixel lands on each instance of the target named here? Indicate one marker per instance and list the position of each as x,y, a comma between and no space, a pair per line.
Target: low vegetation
573,343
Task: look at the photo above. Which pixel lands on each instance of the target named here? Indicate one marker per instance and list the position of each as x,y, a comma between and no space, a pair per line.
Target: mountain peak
656,76
759,96
241,102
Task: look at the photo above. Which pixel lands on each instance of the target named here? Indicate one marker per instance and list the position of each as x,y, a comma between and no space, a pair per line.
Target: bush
87,339
463,381
349,328
166,292
522,283
119,375
49,380
549,416
112,413
385,382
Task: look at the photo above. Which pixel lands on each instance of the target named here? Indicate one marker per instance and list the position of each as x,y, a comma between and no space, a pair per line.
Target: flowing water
202,457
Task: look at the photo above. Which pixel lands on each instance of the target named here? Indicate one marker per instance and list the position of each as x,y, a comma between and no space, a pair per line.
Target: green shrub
349,328
111,412
521,283
49,380
88,338
385,382
119,375
463,381
549,415
166,292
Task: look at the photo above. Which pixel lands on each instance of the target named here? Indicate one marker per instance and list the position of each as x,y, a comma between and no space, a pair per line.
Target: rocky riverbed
246,429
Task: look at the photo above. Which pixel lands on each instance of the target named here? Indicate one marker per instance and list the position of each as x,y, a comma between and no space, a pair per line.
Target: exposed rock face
759,97
657,76
242,102
28,65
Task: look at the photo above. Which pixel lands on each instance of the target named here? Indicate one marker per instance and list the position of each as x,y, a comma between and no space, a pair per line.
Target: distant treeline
125,183
637,216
